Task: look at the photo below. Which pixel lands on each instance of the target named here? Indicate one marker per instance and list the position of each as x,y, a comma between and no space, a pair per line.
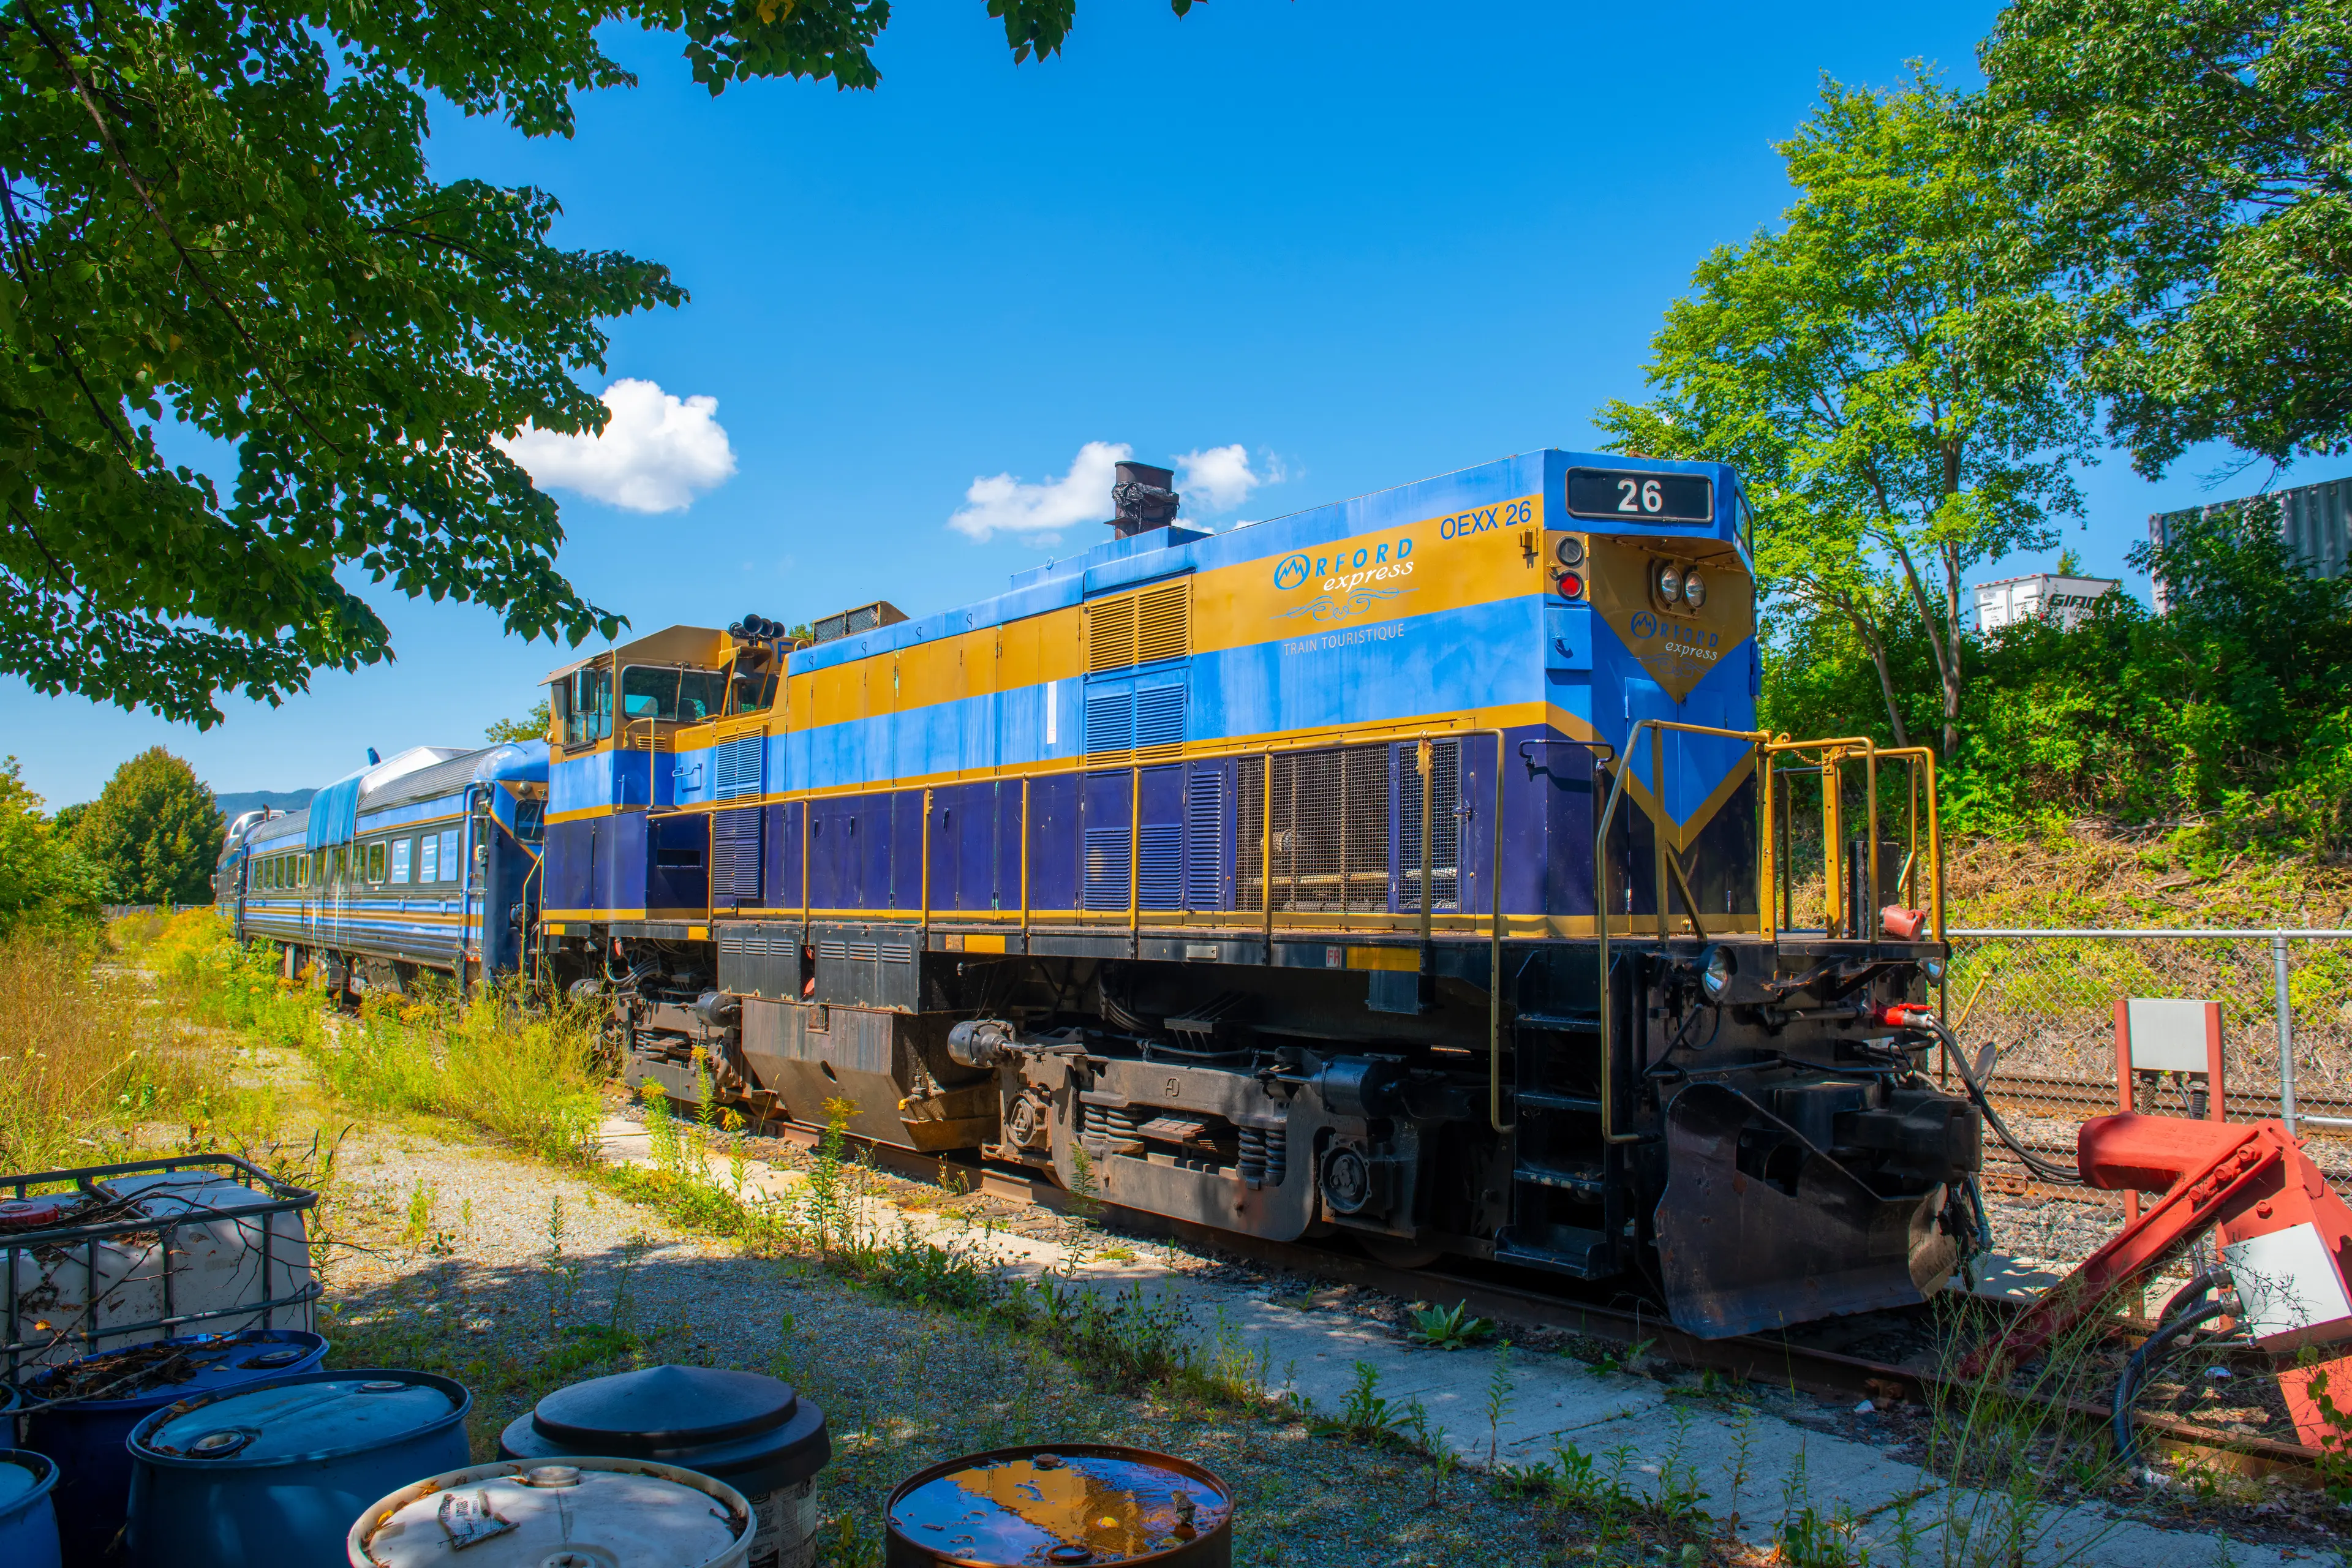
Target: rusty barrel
1061,1506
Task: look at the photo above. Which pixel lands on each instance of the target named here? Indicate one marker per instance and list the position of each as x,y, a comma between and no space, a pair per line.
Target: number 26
1639,499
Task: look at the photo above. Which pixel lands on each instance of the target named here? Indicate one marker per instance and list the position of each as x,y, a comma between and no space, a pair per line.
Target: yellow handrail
1609,1133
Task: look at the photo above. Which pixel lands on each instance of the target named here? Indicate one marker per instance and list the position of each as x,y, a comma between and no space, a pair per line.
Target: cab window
583,702
671,695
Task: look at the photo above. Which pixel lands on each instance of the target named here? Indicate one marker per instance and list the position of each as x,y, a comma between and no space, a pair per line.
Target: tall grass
527,1069
86,1066
208,979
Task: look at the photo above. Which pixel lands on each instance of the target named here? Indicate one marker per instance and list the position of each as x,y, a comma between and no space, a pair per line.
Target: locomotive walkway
1757,1471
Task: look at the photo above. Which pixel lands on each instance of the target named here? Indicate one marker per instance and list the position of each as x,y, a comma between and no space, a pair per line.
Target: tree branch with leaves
221,217
1891,371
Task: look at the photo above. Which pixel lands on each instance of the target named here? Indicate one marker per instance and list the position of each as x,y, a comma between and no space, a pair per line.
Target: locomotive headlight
1670,581
1571,551
1715,974
1694,589
1571,586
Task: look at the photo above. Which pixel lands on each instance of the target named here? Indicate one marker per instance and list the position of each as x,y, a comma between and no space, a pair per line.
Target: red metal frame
2247,1181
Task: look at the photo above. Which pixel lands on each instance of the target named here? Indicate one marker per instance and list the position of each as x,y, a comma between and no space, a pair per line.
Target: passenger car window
450,870
375,862
400,851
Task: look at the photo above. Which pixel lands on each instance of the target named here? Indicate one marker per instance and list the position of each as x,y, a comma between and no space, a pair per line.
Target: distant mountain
235,806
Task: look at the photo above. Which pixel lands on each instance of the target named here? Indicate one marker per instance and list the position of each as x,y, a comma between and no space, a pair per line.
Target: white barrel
579,1512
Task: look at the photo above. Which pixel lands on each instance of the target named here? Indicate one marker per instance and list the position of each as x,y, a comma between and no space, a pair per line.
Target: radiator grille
1446,845
1329,832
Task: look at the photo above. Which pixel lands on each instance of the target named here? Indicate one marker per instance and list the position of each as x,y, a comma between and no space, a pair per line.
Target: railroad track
1521,1297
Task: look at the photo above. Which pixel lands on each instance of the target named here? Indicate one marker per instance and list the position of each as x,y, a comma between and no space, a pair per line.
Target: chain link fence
2045,1000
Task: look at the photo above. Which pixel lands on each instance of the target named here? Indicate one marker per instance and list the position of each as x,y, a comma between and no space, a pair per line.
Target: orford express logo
1351,578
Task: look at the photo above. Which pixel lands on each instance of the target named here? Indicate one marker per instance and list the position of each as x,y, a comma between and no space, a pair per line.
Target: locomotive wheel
1397,1254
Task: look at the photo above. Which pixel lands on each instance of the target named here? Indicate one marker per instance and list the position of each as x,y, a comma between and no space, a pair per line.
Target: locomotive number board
1622,494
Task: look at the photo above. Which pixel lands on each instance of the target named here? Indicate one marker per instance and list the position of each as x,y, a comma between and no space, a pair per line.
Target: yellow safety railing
1773,899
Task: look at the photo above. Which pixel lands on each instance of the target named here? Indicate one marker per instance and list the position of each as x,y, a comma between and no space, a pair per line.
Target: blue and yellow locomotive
1406,869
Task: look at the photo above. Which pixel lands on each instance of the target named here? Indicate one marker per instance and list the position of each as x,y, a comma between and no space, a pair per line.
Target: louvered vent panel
1159,722
1110,633
1105,872
739,766
735,858
1204,835
1160,870
1164,621
1110,721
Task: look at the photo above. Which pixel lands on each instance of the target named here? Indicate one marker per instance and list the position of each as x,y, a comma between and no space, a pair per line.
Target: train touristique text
1405,872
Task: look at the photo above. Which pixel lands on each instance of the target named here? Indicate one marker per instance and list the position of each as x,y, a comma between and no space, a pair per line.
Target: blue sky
1359,244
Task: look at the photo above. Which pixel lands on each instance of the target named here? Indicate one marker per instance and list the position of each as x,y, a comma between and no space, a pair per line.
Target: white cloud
1004,504
656,453
1219,479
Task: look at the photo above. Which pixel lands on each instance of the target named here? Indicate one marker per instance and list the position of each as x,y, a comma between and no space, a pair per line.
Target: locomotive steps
1760,1465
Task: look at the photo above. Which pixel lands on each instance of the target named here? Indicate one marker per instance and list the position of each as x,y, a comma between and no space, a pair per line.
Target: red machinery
2287,1240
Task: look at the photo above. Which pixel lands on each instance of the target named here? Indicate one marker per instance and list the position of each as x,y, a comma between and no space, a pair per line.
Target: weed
1629,1358
1369,1417
420,1213
562,1276
1448,1328
1082,1183
1499,1399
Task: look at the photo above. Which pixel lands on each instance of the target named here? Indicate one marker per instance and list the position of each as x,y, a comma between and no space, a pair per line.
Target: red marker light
1571,586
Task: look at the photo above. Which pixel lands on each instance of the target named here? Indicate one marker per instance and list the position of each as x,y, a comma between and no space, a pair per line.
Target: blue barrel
108,1393
29,1520
273,1475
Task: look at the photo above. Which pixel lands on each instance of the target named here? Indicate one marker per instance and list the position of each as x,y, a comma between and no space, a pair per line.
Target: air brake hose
1904,1016
2181,1315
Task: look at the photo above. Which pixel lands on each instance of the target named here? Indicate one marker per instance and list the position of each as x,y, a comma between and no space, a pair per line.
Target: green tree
223,215
531,726
45,881
154,831
1890,371
2194,160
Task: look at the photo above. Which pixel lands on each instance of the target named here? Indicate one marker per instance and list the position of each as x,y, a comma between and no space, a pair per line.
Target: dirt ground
516,1279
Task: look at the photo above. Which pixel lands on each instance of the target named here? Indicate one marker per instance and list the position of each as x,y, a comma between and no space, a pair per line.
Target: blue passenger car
428,861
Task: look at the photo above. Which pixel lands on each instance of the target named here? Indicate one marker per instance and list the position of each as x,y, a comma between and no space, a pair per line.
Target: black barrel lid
663,1408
